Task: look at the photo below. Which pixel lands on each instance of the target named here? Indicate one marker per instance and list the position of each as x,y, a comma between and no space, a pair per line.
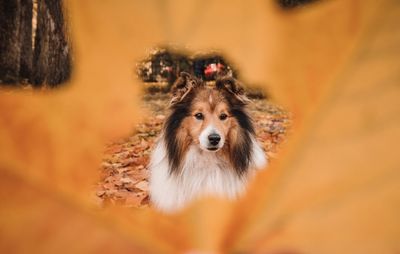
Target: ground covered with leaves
124,170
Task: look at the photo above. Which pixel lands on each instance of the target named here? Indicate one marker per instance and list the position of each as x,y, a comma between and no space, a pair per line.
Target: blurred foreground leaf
334,190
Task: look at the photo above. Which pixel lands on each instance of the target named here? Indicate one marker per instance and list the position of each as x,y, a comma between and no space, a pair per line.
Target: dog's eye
199,116
223,116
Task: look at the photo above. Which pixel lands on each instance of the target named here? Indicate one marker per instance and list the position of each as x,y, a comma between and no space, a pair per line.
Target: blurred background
84,89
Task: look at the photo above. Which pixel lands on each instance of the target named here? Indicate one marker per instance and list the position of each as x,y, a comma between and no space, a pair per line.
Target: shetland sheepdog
207,146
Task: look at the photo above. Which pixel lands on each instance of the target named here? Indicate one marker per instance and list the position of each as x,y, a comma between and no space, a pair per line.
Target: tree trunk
25,63
52,61
11,39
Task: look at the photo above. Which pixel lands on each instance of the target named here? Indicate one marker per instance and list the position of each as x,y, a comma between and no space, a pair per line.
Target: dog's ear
182,87
232,86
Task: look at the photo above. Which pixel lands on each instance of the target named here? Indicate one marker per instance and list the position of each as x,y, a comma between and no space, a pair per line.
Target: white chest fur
203,173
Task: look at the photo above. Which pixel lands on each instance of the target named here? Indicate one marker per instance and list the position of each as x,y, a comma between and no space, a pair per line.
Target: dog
207,146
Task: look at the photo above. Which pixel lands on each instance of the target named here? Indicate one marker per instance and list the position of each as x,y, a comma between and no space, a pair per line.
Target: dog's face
209,122
213,118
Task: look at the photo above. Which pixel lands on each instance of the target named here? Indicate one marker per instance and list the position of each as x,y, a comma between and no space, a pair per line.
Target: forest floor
124,173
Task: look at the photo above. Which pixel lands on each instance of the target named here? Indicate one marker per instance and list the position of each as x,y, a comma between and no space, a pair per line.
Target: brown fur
211,103
182,128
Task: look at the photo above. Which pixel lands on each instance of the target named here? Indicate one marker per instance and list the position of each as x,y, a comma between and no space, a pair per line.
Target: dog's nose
214,139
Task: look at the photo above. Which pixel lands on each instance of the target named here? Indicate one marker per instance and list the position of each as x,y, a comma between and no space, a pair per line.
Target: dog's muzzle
214,139
210,139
